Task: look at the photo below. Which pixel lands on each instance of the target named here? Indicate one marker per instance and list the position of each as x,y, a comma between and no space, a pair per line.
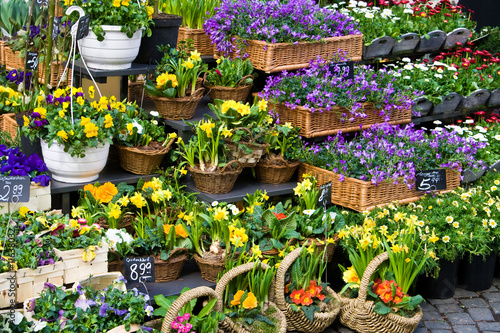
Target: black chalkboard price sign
325,194
139,269
431,180
42,3
343,67
15,188
32,61
83,27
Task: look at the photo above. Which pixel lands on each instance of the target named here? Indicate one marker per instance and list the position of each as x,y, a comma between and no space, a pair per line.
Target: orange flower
250,302
105,192
297,296
179,231
166,228
314,289
307,300
90,188
279,216
237,298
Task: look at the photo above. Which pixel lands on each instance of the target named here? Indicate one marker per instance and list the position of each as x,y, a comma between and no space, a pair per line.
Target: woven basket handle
280,277
228,276
178,250
240,82
182,300
370,269
229,163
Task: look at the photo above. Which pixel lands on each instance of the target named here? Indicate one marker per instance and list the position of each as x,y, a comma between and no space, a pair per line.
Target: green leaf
163,302
264,319
371,292
381,309
277,244
207,308
415,301
289,234
309,312
265,244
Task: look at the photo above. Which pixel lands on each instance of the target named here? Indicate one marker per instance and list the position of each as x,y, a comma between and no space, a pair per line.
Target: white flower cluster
115,236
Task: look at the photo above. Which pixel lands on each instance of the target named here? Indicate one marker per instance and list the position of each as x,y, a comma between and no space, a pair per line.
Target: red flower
297,296
307,300
279,216
60,226
314,289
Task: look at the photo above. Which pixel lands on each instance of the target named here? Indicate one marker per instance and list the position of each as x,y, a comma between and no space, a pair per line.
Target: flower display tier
361,195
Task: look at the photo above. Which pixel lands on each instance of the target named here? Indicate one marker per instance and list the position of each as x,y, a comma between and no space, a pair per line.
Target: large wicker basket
11,59
209,269
322,122
362,195
238,93
276,170
56,73
2,46
139,161
178,108
296,320
8,124
277,57
216,182
183,299
230,326
170,269
136,92
201,41
357,313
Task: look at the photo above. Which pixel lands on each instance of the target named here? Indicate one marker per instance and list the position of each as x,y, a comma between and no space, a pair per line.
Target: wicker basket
3,44
296,320
170,269
209,269
11,59
101,281
357,313
56,72
201,41
322,122
178,108
8,124
275,171
139,161
277,57
228,325
136,92
238,93
216,182
362,195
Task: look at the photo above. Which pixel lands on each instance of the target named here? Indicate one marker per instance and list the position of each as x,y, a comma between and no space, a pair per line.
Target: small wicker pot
230,326
136,92
178,108
320,246
276,170
357,313
182,300
170,269
216,182
140,161
209,268
297,321
238,93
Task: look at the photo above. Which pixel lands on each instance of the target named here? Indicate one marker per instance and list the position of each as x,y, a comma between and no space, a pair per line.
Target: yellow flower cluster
162,80
242,109
238,236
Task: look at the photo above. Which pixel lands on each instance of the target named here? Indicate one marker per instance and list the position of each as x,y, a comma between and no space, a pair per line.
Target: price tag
139,269
55,28
343,67
15,188
431,180
32,61
325,194
83,27
42,3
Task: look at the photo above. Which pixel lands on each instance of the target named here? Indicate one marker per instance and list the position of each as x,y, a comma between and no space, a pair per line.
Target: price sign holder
431,180
83,27
343,67
325,194
15,188
139,269
32,61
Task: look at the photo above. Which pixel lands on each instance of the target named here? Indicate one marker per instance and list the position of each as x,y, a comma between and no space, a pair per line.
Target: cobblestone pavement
466,312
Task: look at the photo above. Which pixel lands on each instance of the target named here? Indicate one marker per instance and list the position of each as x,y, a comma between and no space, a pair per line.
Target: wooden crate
322,122
277,57
362,195
40,199
7,289
75,269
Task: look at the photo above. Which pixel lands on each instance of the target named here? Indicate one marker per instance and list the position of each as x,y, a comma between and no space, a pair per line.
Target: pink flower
218,72
175,325
187,316
179,319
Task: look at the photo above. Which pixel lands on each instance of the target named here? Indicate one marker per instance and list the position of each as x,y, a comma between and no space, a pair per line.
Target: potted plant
282,36
229,80
142,143
71,129
123,22
175,94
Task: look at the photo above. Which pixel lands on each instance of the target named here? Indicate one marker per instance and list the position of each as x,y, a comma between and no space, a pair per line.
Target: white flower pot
71,169
115,52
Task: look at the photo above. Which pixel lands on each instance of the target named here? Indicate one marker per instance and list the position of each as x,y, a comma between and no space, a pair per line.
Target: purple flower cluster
321,87
275,21
17,77
46,258
14,163
387,152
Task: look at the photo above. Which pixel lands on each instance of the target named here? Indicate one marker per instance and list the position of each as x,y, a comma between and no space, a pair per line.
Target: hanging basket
140,161
178,108
216,182
230,326
275,170
357,313
210,268
296,320
238,93
170,269
182,300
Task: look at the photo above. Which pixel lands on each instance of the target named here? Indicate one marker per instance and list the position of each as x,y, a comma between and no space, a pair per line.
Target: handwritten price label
83,27
325,194
15,189
139,269
431,180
